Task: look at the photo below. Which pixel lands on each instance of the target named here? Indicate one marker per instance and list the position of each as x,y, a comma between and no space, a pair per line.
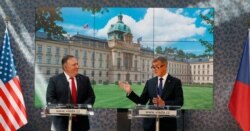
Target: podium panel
153,111
67,110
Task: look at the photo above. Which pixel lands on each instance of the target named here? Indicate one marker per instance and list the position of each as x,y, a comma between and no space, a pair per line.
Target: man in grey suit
70,87
161,90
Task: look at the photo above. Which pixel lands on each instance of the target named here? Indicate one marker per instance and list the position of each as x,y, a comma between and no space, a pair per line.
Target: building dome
117,30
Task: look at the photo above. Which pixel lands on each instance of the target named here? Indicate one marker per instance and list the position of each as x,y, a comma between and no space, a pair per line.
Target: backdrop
231,25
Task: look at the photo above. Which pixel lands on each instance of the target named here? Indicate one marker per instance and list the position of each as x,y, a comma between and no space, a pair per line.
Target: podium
153,111
67,110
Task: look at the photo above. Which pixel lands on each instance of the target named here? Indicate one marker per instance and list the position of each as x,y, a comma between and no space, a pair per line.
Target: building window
100,60
136,77
100,74
66,51
39,59
84,72
92,73
57,71
118,63
119,77
85,58
93,59
48,59
48,50
76,53
57,61
39,49
57,51
136,65
48,71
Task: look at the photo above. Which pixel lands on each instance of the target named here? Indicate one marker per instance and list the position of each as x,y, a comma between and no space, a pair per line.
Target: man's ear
64,66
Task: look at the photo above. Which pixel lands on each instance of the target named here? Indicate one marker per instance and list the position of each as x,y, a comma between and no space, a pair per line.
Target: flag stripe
11,108
18,106
3,125
8,117
15,84
240,106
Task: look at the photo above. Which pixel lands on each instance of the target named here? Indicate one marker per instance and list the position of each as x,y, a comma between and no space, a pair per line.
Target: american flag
12,109
85,26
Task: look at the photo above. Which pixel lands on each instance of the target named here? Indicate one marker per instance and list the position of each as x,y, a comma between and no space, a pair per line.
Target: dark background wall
230,32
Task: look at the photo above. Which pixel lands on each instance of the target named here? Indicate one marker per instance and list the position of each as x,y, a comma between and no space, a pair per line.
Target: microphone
157,90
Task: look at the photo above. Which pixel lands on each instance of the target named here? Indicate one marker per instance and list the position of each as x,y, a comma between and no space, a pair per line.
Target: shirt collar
67,76
164,77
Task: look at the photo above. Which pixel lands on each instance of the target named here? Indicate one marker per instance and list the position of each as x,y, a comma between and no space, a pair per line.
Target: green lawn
111,96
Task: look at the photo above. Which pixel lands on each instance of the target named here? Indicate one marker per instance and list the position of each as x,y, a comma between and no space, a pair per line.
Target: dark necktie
160,87
73,90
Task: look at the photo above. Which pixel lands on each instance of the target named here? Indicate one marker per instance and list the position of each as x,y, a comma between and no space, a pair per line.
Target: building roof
119,26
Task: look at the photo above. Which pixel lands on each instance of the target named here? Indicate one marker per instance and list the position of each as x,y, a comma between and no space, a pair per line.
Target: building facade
114,59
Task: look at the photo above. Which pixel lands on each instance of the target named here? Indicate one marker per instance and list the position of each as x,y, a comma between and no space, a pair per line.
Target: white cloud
205,12
169,26
197,12
226,9
179,11
172,27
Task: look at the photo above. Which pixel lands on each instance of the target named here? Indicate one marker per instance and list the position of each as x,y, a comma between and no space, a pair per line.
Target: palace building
115,58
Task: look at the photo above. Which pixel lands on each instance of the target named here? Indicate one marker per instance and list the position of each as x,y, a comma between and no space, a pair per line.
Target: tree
209,20
158,50
46,18
181,54
190,55
169,50
96,10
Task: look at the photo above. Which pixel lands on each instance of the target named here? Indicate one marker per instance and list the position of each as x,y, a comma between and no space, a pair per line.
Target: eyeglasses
156,67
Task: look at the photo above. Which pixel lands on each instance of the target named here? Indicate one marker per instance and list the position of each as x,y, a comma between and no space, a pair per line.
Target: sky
167,27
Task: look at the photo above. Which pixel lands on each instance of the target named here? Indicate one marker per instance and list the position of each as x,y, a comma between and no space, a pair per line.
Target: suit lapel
154,86
64,80
166,85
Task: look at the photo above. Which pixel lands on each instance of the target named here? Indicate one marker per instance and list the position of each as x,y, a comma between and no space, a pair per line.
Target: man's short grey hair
65,59
161,59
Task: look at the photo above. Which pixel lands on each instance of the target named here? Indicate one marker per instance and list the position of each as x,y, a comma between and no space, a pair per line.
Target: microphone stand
69,106
157,119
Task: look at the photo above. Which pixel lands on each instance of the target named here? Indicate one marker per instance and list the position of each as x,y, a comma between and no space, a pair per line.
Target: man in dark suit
70,87
170,94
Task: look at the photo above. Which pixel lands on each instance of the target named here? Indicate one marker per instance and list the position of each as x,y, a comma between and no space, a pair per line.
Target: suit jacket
172,94
58,92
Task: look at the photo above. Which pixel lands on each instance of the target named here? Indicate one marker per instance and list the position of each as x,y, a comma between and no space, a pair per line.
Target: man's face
71,67
159,68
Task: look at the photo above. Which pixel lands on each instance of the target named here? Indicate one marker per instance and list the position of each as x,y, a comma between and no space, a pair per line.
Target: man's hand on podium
158,101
